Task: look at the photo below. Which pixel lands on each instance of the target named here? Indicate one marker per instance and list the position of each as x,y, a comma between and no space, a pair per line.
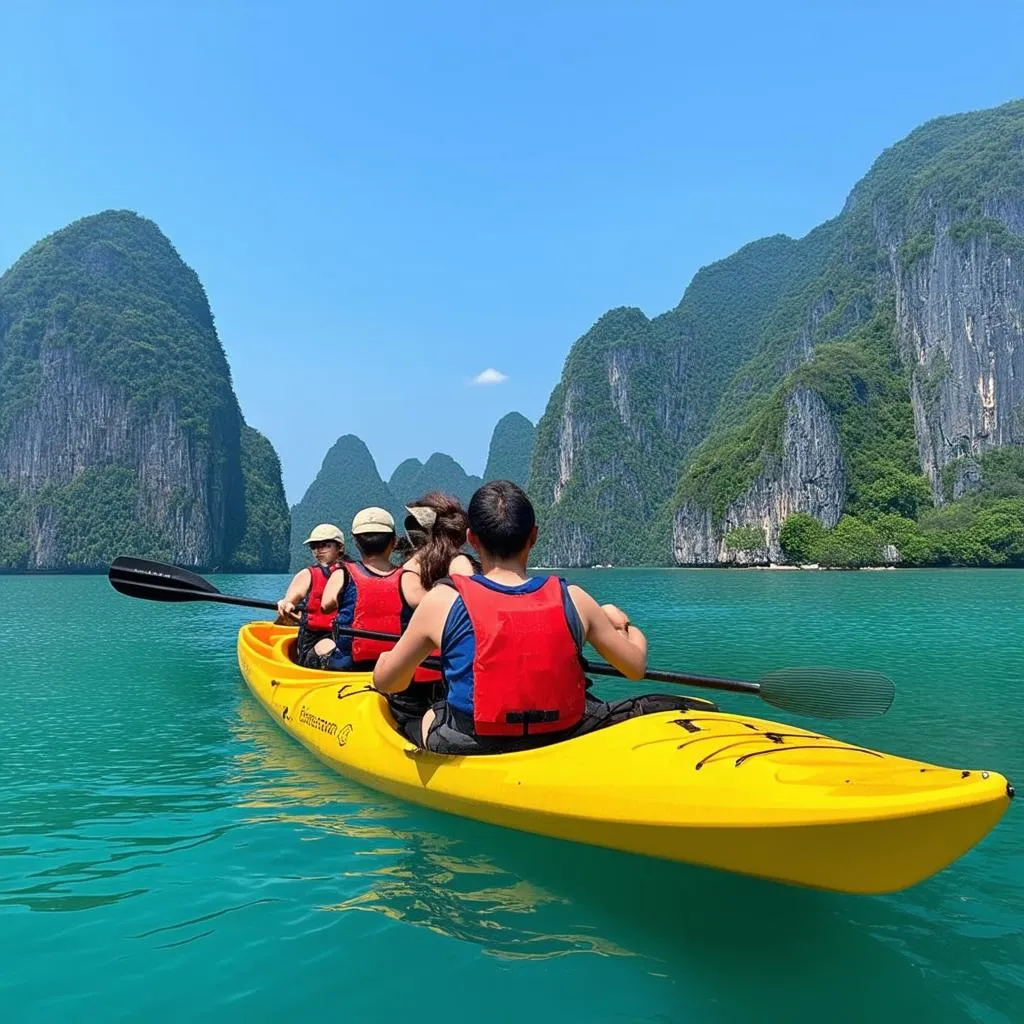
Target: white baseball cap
326,531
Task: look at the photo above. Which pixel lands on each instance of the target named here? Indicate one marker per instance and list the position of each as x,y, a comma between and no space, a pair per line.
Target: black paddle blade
828,692
156,581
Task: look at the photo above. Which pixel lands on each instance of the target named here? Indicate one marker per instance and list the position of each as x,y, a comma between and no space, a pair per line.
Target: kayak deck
705,787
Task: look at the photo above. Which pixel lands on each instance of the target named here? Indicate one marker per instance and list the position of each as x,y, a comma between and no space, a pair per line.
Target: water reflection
517,896
414,875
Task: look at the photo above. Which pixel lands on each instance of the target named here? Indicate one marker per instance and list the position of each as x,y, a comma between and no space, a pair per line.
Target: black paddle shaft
818,692
151,587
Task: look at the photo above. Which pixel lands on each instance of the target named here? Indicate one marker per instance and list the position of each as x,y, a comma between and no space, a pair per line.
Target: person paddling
436,527
365,593
510,643
326,542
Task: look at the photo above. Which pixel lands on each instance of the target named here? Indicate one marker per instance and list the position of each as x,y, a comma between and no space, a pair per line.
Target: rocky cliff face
902,350
599,456
636,395
78,422
960,311
119,429
807,477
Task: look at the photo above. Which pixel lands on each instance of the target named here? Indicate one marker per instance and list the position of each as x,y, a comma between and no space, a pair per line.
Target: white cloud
489,376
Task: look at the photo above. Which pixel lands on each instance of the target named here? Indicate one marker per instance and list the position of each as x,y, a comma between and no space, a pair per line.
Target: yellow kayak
727,791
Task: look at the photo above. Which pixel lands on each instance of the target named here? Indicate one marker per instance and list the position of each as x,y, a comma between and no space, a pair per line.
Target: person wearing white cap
365,594
326,542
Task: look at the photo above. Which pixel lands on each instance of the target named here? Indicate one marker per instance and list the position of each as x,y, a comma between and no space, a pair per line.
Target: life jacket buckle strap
528,718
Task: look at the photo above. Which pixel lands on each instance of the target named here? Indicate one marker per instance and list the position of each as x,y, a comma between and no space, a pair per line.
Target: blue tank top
341,657
458,645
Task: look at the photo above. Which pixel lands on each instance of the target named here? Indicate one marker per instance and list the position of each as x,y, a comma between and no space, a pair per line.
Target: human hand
616,616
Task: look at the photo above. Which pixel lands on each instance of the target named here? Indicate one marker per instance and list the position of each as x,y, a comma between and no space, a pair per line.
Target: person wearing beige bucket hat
326,542
365,595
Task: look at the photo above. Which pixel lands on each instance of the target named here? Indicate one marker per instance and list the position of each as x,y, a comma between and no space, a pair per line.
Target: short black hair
501,516
373,543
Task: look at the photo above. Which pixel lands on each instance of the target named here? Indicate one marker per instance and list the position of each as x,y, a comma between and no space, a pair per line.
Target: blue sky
384,200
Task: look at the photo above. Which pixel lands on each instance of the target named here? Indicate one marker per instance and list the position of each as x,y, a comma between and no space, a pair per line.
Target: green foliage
853,543
511,449
14,546
721,469
439,473
799,536
894,491
98,517
1002,472
264,543
977,531
745,538
347,482
990,228
112,290
1001,469
916,247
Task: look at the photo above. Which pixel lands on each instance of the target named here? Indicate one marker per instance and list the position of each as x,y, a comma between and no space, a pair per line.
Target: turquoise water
167,853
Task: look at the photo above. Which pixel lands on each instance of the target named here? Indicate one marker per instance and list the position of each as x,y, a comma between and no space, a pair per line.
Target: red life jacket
527,675
377,607
421,675
313,619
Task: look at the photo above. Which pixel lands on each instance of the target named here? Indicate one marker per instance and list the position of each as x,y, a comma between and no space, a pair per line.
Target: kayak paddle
816,692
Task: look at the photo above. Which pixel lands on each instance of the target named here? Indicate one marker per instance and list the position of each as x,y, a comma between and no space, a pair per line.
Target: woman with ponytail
436,526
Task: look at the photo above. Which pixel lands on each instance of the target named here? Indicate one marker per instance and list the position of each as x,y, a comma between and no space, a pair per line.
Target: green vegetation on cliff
112,290
264,543
960,163
119,429
439,473
511,448
611,431
636,395
348,481
14,544
96,514
983,528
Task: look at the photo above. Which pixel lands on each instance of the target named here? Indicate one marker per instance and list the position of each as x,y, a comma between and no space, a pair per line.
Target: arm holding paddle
611,634
297,590
805,690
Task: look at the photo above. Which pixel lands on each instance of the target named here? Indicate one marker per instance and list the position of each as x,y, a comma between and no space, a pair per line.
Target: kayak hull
704,787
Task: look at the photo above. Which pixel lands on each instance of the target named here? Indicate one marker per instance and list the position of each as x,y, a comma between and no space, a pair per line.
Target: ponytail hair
437,547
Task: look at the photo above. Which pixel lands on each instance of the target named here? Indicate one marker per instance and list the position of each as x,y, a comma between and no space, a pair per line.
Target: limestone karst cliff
119,428
864,371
